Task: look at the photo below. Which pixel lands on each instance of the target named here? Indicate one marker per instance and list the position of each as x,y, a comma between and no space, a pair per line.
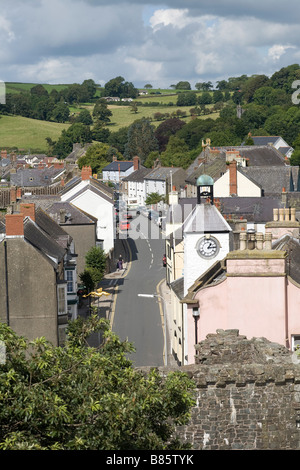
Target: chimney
3,154
28,210
19,193
62,216
86,173
14,225
115,158
136,163
232,178
13,194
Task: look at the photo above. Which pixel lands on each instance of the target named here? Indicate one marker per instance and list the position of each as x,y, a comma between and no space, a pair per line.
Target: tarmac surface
105,303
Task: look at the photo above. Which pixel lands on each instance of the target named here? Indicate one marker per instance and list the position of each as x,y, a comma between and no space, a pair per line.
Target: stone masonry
247,395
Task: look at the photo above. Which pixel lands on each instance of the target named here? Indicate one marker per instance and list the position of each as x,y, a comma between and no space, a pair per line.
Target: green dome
205,180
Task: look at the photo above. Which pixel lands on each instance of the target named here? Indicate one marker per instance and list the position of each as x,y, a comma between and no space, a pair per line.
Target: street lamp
152,296
196,315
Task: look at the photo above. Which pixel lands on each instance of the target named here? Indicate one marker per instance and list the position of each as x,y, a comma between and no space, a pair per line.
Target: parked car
124,225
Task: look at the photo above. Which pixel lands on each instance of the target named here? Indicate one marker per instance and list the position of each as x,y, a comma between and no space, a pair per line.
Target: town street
138,319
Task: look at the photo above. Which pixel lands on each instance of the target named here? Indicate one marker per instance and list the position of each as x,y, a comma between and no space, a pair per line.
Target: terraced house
38,275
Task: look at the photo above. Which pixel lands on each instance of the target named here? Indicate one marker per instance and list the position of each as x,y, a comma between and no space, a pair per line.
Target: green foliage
117,87
101,112
183,85
81,398
153,198
295,158
187,99
98,156
141,140
76,133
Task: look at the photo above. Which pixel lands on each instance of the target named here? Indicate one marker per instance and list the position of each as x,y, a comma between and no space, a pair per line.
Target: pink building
255,289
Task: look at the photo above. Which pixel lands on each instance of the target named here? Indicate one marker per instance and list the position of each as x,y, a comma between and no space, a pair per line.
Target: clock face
208,247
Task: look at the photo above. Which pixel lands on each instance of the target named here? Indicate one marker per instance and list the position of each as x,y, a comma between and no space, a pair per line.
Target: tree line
259,106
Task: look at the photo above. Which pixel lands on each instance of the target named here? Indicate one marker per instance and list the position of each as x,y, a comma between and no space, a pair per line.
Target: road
140,320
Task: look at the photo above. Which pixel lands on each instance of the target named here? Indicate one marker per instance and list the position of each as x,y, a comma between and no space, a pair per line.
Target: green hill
25,133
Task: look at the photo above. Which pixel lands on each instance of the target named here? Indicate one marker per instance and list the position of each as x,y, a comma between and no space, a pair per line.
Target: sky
158,43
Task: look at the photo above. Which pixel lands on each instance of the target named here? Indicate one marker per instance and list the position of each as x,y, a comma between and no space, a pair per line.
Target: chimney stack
232,178
28,210
14,225
86,173
136,163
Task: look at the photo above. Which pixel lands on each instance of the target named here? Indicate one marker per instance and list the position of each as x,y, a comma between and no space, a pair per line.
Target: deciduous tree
82,398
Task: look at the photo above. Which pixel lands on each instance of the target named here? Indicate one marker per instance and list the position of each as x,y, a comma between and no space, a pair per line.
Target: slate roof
253,209
272,178
138,175
162,173
51,228
94,185
43,242
30,177
292,247
114,166
265,139
74,216
214,168
205,218
178,287
256,155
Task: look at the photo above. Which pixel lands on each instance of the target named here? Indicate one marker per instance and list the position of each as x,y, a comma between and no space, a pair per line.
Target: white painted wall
98,207
245,187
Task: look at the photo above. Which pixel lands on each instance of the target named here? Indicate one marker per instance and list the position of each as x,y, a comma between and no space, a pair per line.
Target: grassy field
123,116
24,133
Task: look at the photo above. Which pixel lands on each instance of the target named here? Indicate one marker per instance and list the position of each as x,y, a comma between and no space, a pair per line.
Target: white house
235,183
133,186
117,170
162,180
96,199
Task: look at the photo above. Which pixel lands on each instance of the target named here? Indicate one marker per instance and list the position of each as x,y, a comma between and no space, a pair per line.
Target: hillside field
28,134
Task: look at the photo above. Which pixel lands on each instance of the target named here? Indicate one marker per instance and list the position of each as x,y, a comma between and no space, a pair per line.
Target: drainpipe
6,282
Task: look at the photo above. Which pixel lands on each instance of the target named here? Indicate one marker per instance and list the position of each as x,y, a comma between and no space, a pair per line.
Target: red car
124,225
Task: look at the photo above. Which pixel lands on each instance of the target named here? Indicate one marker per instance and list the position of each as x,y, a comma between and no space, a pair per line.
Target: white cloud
276,51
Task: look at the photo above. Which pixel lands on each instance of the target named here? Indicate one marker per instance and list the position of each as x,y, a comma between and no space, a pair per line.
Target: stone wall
247,395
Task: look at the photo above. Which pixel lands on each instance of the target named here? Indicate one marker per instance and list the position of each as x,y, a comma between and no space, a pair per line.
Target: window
69,275
62,299
295,342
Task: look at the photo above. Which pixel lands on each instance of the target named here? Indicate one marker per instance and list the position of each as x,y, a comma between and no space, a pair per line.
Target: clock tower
207,236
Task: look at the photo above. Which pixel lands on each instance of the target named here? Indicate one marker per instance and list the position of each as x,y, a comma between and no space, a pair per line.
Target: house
96,199
250,161
133,186
276,141
254,289
162,180
82,227
30,178
117,170
36,259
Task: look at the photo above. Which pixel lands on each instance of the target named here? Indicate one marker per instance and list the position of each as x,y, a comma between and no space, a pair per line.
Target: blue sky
67,41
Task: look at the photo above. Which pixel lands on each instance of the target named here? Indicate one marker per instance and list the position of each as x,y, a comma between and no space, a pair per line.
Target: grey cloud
69,39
